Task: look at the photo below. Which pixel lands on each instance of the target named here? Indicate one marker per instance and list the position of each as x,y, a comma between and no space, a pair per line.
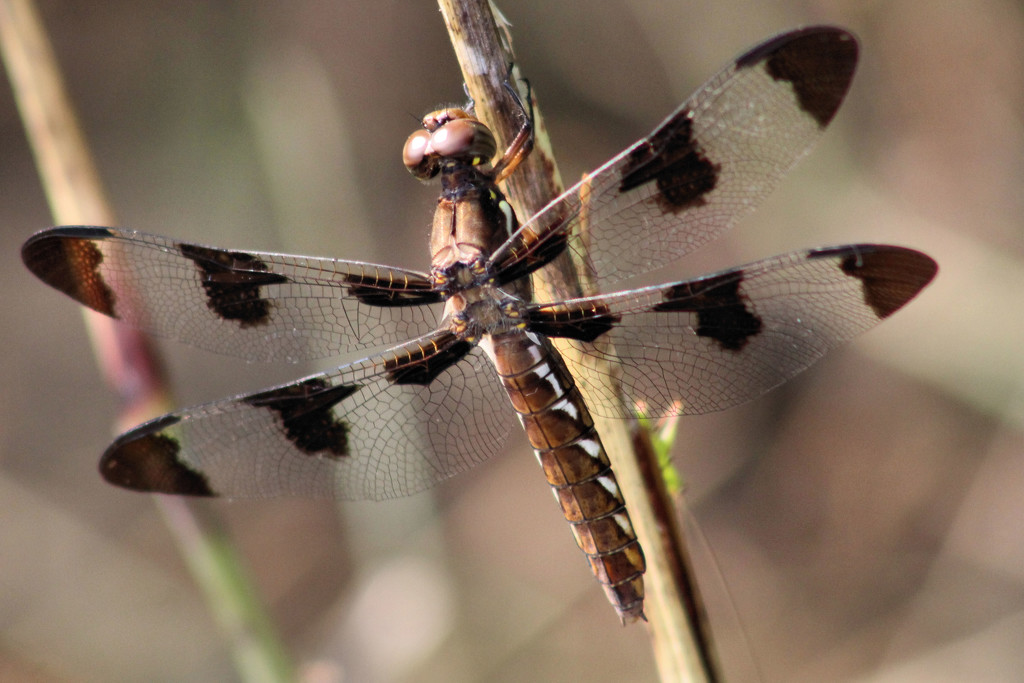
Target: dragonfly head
448,134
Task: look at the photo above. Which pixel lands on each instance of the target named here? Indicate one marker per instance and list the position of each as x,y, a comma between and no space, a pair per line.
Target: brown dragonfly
430,405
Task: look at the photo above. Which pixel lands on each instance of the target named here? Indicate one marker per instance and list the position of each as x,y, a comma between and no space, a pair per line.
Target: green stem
76,196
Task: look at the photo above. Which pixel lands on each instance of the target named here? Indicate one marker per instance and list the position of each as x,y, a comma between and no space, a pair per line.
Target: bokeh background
866,522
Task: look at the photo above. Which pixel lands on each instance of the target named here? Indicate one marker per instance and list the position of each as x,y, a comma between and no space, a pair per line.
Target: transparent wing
379,428
254,305
714,342
710,162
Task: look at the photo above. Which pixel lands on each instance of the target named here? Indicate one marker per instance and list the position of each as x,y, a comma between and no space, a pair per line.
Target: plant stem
676,616
128,360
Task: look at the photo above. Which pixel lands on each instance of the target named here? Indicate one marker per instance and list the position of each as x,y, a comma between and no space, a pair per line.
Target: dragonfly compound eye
464,139
418,157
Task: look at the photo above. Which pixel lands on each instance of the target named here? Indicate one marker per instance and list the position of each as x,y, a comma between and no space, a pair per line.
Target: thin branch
128,360
678,624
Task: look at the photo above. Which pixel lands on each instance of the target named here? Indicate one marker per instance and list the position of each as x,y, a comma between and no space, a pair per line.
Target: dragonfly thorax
484,310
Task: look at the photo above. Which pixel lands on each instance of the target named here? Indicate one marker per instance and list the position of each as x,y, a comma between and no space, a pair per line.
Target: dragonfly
455,354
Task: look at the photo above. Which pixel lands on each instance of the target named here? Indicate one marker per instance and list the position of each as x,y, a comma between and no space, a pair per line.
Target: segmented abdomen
569,449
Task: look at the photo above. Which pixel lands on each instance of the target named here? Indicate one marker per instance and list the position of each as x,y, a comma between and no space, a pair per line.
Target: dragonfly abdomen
569,449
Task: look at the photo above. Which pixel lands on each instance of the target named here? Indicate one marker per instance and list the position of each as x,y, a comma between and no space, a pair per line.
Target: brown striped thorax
473,217
438,391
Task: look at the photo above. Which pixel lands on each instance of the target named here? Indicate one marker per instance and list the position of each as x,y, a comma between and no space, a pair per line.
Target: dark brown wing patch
71,265
674,161
232,281
305,411
890,277
145,459
527,251
422,366
722,311
582,324
818,63
378,291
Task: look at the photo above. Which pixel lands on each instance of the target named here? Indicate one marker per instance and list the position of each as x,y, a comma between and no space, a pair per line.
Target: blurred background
863,523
